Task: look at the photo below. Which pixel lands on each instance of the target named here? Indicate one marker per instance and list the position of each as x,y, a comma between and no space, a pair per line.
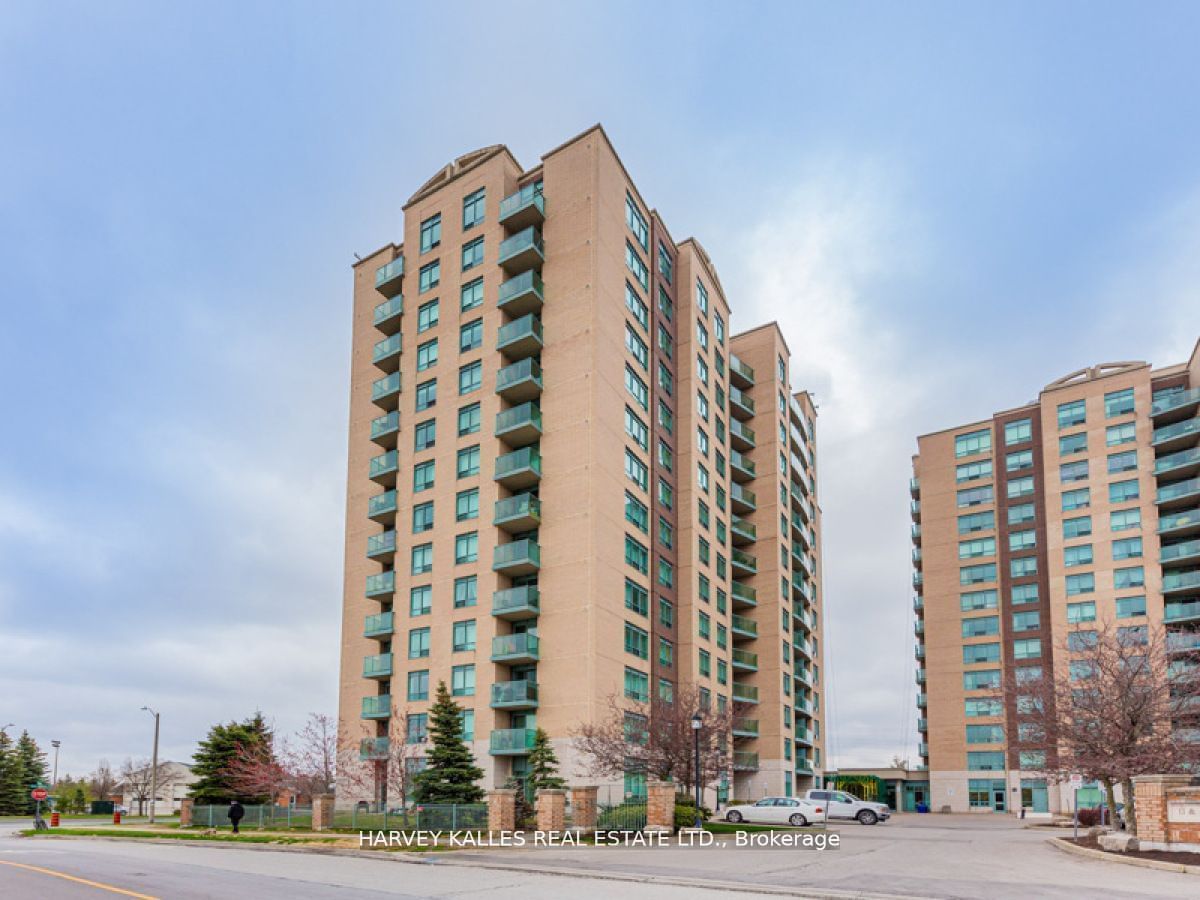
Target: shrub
685,812
1089,816
629,816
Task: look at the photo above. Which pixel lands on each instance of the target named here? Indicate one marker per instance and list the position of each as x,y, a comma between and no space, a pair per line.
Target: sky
946,206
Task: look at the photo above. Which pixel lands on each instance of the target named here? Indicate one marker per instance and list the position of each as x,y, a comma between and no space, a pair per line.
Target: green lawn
178,835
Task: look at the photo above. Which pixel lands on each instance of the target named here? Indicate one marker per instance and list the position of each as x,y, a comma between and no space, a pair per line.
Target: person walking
236,812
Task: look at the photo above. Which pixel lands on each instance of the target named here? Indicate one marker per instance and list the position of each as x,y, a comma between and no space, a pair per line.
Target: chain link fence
429,817
266,817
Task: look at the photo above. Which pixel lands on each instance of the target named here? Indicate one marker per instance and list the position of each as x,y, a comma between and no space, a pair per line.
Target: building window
426,394
466,591
423,476
1024,593
1023,567
981,653
473,208
973,600
1128,607
427,355
468,462
637,388
637,347
1122,462
1029,648
420,600
980,626
1118,403
666,613
977,574
1070,414
471,295
468,420
464,635
462,681
466,505
422,559
637,641
1081,498
1129,578
1073,471
472,254
665,266
1083,583
424,435
416,729
418,643
636,470
984,679
972,443
636,512
973,470
1127,548
1072,443
637,223
430,277
637,555
1018,460
422,517
637,685
985,734
1018,432
1125,519
636,266
1122,491
470,377
418,685
1022,540
1021,513
701,297
1077,556
979,547
1078,527
470,336
985,760
976,496
1081,612
1125,433
637,598
431,232
1027,621
466,548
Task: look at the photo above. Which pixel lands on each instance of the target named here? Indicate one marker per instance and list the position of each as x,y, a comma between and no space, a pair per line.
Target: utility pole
153,765
54,778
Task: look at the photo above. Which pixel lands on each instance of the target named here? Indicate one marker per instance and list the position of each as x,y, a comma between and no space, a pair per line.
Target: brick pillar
502,810
660,806
185,812
584,809
1150,804
322,812
551,807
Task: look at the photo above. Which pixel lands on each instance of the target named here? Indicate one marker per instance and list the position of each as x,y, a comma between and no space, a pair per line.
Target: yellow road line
95,884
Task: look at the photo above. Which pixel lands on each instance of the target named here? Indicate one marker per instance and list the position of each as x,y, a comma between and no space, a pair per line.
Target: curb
424,859
1067,847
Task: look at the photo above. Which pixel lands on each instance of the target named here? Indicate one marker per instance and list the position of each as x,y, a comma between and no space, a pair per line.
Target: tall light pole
54,778
153,765
697,722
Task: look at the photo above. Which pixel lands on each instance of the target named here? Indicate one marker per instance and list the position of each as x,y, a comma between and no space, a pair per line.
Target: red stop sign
39,794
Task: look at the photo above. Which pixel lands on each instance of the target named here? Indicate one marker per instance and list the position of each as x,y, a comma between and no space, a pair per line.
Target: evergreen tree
13,792
543,764
214,757
450,773
31,761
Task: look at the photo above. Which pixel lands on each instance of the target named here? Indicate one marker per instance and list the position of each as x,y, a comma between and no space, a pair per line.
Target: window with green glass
637,598
1125,433
466,505
666,653
1127,548
980,626
464,635
636,512
973,600
1024,593
1069,444
1080,498
1077,556
980,653
462,681
420,600
466,548
1028,648
429,278
1083,583
422,517
1125,519
1070,414
1122,462
470,295
473,208
1018,460
985,734
1081,526
422,559
705,663
424,435
1022,540
1026,621
468,461
418,643
984,679
426,394
1084,611
1128,607
636,429
1118,403
974,496
637,641
705,625
466,591
1129,577
637,555
468,420
470,377
1021,513
470,336
637,685
977,547
1073,471
977,574
472,254
1023,567
1123,491
1020,487
418,685
1018,432
431,232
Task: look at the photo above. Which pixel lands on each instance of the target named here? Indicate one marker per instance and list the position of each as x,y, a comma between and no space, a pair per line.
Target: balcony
743,531
1185,522
914,508
803,677
378,666
914,486
378,707
1180,582
919,627
520,469
745,761
385,429
923,749
381,585
808,564
804,707
1181,611
382,508
745,728
741,467
519,426
1183,641
922,701
379,625
522,512
1185,462
743,627
916,533
519,694
374,748
521,337
1176,406
520,382
919,604
386,354
744,660
516,603
920,651
742,499
744,564
920,676
522,251
740,374
385,392
922,725
388,278
383,469
523,209
515,649
918,579
741,405
744,693
743,595
800,532
511,741
523,294
1173,554
803,736
523,557
388,314
803,766
803,649
741,436
1177,436
382,546
1181,493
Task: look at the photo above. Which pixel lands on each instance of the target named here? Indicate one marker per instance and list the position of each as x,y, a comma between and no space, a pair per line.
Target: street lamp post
697,722
54,778
153,765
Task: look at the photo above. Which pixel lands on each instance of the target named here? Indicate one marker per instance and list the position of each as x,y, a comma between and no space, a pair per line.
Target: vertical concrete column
1150,804
584,809
502,810
551,807
185,812
660,806
322,812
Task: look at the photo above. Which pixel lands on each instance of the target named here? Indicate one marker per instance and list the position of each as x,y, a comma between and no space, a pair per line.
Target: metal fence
620,812
267,817
430,817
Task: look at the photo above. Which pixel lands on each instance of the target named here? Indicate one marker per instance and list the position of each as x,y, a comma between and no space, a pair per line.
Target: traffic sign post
38,794
1076,784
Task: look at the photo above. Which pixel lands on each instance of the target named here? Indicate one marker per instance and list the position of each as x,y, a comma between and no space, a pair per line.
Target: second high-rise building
570,480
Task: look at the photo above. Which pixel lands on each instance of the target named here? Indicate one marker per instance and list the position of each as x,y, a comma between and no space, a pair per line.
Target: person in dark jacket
236,812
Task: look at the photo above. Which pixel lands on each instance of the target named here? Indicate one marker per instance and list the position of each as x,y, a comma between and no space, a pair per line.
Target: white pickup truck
846,806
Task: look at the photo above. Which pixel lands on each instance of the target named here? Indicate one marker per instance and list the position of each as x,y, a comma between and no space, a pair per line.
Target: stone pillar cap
549,791
1163,779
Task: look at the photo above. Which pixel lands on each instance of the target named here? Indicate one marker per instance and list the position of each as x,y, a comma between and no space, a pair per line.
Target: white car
776,811
846,806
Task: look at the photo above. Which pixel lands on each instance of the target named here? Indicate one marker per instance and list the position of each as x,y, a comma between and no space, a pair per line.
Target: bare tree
379,770
657,738
137,778
103,781
313,757
1122,706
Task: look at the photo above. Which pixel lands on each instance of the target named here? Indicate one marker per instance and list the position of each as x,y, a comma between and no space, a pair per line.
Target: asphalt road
925,856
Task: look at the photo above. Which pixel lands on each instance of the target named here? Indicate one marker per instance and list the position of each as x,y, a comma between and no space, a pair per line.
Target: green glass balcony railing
516,603
382,506
517,557
383,544
379,625
742,464
521,694
523,510
386,354
1178,491
744,529
742,496
524,208
374,748
520,425
522,647
383,467
388,278
743,626
920,676
922,725
377,666
744,760
804,766
739,432
1177,553
520,381
745,727
387,314
744,594
743,560
521,294
1183,641
740,372
511,741
523,250
1181,610
803,735
381,584
385,428
1175,582
377,707
521,468
385,391
1181,462
745,693
1180,522
1173,433
520,337
922,700
1176,401
744,659
741,401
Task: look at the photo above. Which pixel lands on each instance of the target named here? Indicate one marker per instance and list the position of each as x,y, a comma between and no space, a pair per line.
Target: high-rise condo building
570,481
1079,509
